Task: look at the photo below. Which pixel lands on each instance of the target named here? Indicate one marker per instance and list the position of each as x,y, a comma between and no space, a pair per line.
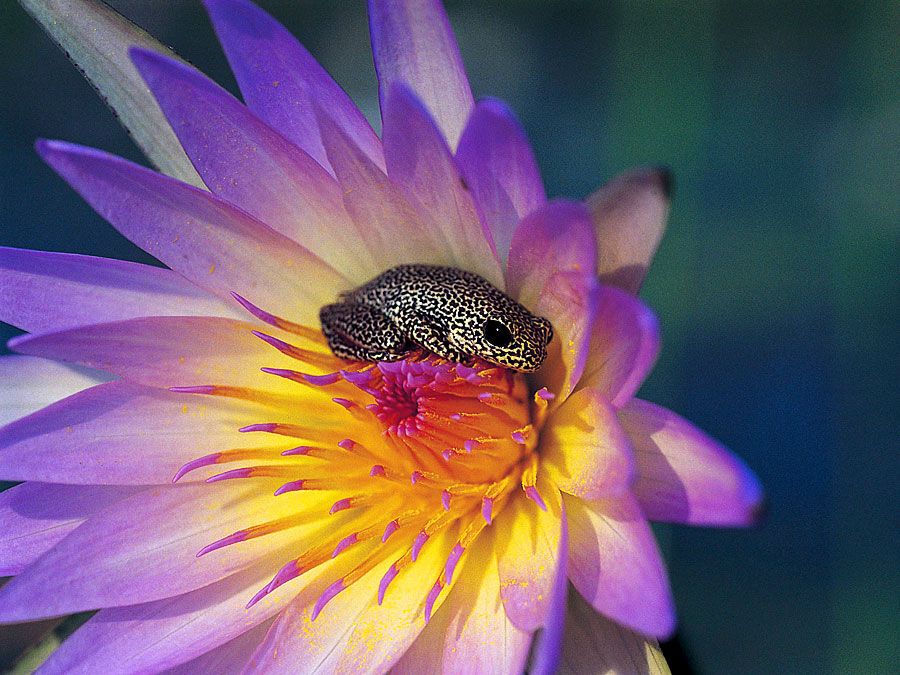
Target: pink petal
157,635
557,237
624,343
472,632
204,238
528,555
246,162
499,167
585,450
547,652
420,162
144,548
630,215
110,422
683,475
166,351
34,517
413,43
41,291
31,383
569,301
615,564
391,228
594,644
279,79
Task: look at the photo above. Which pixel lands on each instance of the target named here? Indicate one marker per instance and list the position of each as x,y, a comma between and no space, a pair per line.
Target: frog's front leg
433,338
360,332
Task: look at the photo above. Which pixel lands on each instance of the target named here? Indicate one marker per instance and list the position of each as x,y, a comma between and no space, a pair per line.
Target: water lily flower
228,493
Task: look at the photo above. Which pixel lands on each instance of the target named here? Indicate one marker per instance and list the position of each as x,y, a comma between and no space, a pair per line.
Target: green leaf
97,38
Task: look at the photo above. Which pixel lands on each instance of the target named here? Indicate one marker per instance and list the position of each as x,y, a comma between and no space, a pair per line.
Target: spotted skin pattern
452,313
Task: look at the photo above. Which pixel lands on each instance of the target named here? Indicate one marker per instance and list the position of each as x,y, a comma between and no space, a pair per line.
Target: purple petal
420,162
154,636
165,351
31,383
228,659
615,564
34,517
110,422
595,644
558,237
683,475
390,227
249,164
548,645
143,548
624,344
279,79
203,238
499,167
41,291
630,215
413,43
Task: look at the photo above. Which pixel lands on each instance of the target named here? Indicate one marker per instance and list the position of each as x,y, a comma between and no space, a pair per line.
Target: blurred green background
776,285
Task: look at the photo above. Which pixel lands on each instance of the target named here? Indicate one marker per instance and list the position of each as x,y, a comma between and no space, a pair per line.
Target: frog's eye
497,334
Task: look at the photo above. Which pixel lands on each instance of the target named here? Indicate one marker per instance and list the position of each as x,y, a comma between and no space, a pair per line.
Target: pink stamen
341,505
347,444
326,597
198,463
346,403
291,486
199,389
518,437
487,509
470,445
452,560
240,535
322,380
546,394
415,477
445,499
392,527
265,426
532,493
229,475
260,314
299,450
344,544
418,543
377,470
386,580
432,598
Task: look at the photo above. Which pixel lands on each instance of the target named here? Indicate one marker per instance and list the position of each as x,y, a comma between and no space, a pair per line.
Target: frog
452,313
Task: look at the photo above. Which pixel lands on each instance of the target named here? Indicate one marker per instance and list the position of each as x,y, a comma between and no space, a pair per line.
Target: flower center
409,450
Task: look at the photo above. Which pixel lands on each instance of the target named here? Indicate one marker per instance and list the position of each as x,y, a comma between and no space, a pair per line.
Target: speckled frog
452,313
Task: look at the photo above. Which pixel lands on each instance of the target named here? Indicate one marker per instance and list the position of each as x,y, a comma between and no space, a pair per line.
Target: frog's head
508,335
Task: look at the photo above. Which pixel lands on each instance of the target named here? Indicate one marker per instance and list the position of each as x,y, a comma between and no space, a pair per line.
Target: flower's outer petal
132,435
624,344
166,351
371,637
279,79
499,167
96,38
630,214
584,448
596,645
144,548
246,162
31,383
615,564
557,237
528,555
413,43
420,162
42,291
472,632
34,517
154,636
683,475
569,301
204,238
391,229
229,659
547,652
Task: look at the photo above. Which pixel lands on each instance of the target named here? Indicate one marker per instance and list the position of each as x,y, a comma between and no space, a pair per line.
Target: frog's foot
362,333
434,339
